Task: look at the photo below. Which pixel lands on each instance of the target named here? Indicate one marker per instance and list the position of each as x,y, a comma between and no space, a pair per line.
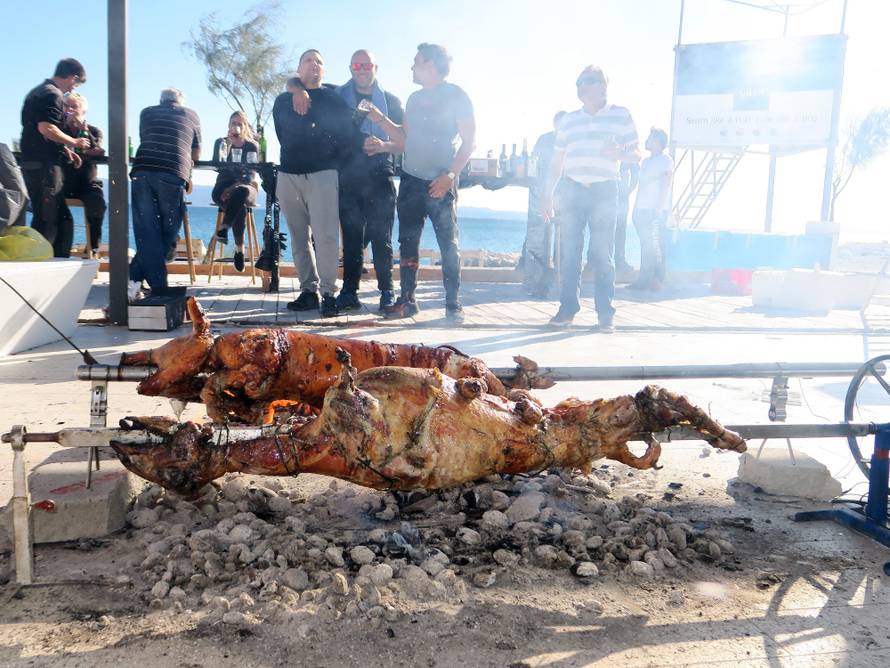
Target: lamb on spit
408,428
244,376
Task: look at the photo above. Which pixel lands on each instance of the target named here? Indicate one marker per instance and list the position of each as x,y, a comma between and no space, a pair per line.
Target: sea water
496,235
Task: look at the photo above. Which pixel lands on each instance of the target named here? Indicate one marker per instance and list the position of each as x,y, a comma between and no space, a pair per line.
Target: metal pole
770,192
835,118
672,144
879,475
759,370
118,163
771,183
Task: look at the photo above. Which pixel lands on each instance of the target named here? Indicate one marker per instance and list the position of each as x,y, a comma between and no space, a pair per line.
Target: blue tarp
704,250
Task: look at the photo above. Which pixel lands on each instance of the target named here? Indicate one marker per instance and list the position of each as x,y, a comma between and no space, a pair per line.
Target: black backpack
13,194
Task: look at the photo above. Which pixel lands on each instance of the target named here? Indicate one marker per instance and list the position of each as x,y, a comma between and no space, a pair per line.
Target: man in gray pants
313,146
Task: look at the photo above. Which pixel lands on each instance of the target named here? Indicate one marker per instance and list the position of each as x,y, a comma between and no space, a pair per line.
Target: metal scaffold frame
709,175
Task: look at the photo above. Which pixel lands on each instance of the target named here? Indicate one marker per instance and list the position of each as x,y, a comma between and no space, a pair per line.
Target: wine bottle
522,166
262,143
502,161
513,163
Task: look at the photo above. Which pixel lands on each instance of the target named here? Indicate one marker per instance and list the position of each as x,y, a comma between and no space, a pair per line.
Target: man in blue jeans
169,144
439,135
590,145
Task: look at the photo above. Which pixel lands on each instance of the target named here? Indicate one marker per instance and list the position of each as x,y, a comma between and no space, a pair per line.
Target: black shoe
386,300
328,307
403,308
562,319
222,235
348,301
307,301
238,260
455,314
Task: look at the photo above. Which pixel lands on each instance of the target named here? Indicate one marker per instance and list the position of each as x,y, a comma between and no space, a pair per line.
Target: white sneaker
134,291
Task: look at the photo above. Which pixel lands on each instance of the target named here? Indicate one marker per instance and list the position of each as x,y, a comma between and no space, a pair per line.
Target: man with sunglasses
591,143
45,146
367,193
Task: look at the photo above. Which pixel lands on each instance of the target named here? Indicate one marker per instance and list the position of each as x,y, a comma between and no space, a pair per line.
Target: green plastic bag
21,244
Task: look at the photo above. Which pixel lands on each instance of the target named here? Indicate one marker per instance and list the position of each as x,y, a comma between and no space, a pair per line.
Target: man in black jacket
313,146
367,193
45,147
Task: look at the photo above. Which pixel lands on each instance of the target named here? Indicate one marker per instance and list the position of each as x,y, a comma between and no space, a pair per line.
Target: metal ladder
708,175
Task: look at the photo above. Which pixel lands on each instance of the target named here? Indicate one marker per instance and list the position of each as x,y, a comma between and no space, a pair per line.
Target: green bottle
84,132
130,147
262,143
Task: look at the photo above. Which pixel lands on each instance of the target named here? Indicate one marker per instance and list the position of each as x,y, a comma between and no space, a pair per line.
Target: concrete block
62,508
775,473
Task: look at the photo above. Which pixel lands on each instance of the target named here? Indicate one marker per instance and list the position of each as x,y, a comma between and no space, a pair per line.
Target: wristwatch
451,175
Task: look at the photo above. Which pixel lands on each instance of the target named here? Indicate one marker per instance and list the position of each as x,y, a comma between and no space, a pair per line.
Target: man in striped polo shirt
591,143
169,144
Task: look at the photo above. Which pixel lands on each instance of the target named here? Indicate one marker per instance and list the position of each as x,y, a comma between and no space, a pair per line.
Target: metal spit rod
107,372
78,437
759,370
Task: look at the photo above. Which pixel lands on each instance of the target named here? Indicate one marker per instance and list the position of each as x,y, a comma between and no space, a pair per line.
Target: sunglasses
359,67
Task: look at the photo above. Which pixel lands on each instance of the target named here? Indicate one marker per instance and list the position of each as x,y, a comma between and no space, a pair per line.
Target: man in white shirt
591,143
651,210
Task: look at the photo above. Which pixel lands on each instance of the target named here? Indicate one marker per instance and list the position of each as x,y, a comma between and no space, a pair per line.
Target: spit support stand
21,507
98,418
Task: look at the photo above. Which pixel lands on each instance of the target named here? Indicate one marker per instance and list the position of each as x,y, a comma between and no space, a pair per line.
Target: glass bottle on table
512,162
502,161
262,143
521,170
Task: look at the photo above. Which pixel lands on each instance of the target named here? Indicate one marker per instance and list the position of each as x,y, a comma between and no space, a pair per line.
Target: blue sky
517,60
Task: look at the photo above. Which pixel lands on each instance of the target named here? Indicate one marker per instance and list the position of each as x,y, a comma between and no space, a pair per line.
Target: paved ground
832,603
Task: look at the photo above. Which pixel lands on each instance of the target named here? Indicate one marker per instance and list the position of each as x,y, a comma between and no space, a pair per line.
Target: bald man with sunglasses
367,191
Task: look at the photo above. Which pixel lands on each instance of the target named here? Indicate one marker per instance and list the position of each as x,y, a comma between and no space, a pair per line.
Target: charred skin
240,375
400,428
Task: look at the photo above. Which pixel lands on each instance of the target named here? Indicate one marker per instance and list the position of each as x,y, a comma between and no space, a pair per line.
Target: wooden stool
87,247
189,251
252,247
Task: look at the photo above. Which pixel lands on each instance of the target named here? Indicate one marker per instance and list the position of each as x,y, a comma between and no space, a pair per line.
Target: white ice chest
811,290
58,288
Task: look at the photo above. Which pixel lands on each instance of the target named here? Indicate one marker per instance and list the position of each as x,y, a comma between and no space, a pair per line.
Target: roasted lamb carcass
400,428
243,376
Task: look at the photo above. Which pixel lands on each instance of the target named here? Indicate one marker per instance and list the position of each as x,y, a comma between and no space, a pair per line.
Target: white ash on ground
246,552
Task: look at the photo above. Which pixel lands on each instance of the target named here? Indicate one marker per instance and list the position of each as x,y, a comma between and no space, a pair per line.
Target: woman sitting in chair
236,183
